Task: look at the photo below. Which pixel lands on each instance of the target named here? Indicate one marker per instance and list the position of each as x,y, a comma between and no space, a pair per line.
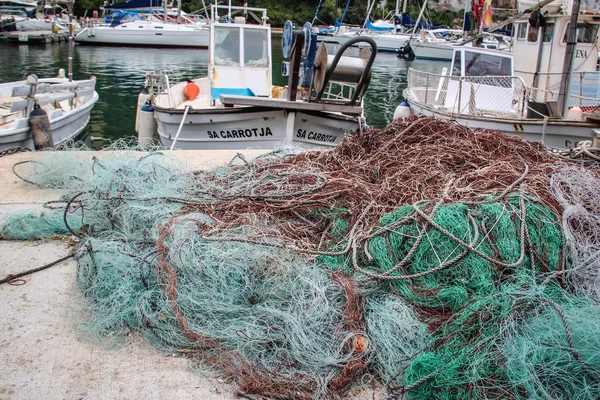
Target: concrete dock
43,352
35,37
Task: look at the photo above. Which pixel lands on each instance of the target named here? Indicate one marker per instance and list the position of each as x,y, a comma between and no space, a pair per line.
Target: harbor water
120,76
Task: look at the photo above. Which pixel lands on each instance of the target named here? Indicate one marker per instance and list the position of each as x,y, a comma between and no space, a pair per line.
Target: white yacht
135,28
520,94
238,107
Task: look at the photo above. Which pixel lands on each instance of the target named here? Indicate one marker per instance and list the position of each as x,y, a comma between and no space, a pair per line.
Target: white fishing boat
528,94
139,28
67,103
238,107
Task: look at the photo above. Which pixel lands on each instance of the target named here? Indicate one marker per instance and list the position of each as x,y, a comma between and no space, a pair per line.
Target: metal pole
563,90
420,16
70,59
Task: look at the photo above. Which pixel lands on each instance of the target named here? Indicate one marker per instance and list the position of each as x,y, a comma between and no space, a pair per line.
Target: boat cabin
239,58
540,44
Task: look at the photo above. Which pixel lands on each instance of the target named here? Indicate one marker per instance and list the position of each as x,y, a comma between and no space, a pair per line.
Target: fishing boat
525,93
67,103
237,107
132,25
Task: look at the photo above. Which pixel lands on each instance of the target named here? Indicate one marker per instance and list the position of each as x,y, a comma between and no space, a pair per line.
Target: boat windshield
256,53
483,64
227,46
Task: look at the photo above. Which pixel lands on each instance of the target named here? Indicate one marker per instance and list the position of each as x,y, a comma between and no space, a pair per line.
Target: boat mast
369,9
563,102
165,17
420,16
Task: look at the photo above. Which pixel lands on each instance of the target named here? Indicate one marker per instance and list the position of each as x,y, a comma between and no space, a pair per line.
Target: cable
13,278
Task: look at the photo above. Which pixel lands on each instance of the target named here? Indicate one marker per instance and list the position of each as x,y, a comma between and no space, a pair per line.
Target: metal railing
499,96
584,90
479,95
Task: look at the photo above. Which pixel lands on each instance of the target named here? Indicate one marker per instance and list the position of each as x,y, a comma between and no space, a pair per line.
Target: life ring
48,18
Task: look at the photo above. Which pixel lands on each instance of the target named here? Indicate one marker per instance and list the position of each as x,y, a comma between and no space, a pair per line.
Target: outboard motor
405,51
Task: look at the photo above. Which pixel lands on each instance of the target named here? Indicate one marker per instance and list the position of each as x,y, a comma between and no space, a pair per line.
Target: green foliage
300,11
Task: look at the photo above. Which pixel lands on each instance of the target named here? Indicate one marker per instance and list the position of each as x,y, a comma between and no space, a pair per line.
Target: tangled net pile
447,263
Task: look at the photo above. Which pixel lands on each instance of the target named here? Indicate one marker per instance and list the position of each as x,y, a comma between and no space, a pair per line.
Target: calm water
120,76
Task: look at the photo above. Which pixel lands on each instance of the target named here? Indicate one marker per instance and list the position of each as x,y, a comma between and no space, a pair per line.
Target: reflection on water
120,75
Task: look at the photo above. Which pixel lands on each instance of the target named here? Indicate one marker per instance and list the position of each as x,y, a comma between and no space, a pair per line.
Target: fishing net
424,253
578,192
534,342
443,256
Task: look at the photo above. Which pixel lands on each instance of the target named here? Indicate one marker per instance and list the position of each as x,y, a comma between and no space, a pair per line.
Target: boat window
521,31
227,46
457,64
532,35
586,33
255,48
479,64
548,32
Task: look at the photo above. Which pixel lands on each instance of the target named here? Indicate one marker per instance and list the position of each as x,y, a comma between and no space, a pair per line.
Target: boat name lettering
581,54
319,137
240,133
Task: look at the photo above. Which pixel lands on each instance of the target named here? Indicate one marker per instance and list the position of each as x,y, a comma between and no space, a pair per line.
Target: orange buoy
191,90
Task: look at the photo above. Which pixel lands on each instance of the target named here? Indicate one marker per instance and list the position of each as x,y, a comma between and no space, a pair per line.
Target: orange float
191,90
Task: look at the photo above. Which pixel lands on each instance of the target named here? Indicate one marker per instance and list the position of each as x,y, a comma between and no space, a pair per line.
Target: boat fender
402,111
143,97
191,90
39,125
575,114
146,125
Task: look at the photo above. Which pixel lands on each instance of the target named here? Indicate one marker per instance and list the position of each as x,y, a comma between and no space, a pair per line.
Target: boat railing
499,96
584,88
233,10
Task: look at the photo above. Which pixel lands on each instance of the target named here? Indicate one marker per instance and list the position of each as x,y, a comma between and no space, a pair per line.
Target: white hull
432,51
141,34
385,41
241,128
27,24
560,134
65,127
33,25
